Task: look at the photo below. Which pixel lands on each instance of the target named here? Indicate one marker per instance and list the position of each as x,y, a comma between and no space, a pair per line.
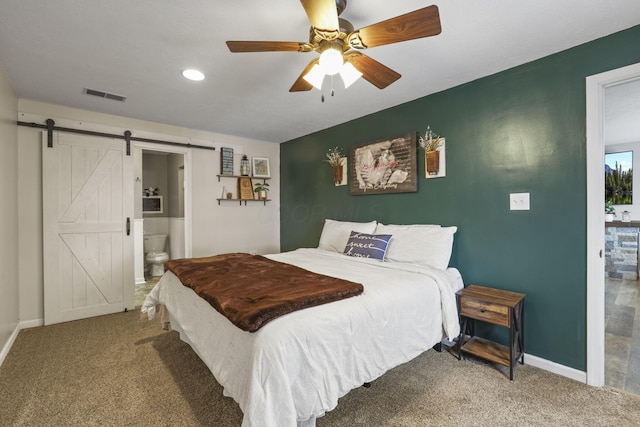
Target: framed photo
385,166
245,189
260,167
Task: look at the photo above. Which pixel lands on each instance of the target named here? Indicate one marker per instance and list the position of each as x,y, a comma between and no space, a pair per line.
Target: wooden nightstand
498,307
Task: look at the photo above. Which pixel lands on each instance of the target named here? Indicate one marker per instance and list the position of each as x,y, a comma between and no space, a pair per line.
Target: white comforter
296,367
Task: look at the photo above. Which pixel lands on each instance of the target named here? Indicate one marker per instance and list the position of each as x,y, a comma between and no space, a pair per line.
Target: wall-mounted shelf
242,176
264,179
152,205
243,200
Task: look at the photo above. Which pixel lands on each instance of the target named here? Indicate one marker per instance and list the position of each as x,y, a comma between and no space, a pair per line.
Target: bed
296,367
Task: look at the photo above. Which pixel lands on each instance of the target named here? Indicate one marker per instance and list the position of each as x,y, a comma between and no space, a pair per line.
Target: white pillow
335,234
396,228
423,244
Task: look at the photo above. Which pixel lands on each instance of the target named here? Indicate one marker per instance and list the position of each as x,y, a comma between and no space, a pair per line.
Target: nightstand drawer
496,314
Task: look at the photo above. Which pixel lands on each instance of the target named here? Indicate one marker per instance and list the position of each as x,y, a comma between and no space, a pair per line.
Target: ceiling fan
339,44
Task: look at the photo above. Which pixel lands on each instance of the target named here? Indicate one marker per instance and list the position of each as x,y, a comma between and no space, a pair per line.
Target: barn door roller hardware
50,126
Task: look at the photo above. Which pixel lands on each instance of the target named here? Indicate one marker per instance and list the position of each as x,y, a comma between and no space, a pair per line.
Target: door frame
595,88
186,152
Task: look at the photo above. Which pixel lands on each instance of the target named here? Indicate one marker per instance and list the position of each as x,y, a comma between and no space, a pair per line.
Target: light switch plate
519,201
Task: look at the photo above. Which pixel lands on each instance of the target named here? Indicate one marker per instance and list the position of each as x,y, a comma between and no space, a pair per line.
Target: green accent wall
521,130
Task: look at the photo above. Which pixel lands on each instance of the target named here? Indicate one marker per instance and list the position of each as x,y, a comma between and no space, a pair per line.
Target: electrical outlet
519,201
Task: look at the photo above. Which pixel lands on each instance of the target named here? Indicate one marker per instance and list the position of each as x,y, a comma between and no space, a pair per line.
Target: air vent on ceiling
102,94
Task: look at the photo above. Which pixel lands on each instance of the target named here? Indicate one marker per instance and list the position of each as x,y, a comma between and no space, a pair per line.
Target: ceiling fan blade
413,25
322,14
372,71
248,46
301,84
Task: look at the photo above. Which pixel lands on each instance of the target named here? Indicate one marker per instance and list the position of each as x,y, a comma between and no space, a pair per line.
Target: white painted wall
138,250
176,238
155,174
9,294
215,229
634,208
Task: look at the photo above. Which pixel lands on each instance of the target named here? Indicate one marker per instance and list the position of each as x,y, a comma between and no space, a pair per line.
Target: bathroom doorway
162,212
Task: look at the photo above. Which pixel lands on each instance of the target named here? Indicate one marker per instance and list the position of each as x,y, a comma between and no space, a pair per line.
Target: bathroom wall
162,170
174,204
154,174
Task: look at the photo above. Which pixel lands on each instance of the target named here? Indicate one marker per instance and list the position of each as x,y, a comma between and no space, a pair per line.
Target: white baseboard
26,324
22,325
555,368
9,343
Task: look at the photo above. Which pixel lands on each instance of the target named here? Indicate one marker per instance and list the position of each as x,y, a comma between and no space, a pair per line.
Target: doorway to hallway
595,149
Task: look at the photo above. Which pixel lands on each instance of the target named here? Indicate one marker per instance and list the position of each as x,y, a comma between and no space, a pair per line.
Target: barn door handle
128,226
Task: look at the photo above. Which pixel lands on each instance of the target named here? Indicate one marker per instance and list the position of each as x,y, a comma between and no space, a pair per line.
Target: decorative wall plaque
245,189
385,166
226,161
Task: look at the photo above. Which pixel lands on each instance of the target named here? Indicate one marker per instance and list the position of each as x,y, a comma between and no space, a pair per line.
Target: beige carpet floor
119,370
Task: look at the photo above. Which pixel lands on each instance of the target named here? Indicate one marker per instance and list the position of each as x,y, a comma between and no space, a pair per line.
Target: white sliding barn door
87,203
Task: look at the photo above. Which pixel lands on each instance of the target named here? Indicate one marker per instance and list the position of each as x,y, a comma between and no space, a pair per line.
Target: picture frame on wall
385,166
226,161
260,167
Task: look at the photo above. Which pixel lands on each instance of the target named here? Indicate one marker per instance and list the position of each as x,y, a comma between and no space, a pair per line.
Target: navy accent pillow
367,245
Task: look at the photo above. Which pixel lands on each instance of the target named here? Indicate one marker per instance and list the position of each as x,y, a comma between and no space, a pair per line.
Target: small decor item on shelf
335,159
430,142
609,211
151,191
626,216
244,166
261,188
245,189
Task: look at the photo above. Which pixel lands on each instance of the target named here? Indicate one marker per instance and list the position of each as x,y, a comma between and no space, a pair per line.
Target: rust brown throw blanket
251,290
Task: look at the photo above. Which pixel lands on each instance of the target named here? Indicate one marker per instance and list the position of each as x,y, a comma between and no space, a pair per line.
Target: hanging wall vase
337,174
432,161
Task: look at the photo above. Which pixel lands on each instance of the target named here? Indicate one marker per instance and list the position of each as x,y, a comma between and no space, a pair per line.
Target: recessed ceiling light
193,74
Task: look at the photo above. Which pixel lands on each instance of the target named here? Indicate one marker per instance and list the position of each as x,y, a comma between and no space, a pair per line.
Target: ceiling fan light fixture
315,77
331,61
192,74
349,74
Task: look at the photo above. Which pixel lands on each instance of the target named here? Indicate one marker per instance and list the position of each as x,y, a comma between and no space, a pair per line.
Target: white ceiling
51,50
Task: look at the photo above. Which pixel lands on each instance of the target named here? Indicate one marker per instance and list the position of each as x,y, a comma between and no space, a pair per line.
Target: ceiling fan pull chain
332,91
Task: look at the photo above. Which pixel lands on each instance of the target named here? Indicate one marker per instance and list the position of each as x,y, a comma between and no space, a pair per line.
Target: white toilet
154,245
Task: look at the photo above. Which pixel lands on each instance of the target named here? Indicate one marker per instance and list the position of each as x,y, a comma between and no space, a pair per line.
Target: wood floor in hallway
622,334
